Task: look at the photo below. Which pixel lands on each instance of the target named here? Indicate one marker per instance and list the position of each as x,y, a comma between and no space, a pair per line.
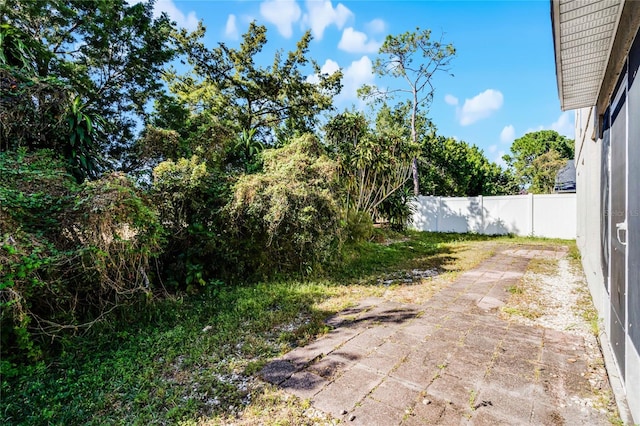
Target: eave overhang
583,36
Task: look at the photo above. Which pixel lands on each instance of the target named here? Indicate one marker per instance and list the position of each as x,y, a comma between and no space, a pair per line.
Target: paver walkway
449,361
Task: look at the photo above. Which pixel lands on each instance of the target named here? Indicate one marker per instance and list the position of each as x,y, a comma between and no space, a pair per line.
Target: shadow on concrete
330,353
395,316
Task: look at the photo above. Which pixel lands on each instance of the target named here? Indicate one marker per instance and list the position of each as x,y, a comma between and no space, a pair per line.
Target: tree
373,163
227,83
412,57
32,108
525,150
457,169
108,53
545,168
248,147
39,111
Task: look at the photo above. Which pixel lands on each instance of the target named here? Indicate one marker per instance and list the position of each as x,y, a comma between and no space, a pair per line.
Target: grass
524,300
473,395
194,360
522,312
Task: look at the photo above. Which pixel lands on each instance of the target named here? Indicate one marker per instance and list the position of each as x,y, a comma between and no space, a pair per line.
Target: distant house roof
587,39
566,178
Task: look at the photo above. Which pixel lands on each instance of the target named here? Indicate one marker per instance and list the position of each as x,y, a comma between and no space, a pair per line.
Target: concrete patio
449,361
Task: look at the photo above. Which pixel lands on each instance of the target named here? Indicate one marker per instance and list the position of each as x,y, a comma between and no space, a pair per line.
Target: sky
503,82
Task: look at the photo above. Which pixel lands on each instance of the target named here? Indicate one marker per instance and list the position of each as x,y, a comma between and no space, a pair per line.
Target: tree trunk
414,139
414,169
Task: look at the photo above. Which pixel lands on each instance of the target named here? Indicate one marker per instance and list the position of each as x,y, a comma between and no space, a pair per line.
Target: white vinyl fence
544,215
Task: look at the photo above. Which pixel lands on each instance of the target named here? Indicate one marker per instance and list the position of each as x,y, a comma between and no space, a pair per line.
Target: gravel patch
558,298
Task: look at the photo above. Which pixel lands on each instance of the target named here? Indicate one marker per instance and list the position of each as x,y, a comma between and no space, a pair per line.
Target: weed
514,289
574,252
473,395
522,312
543,265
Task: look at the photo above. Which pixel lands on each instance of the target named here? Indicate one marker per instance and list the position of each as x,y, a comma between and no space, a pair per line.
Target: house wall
590,209
633,236
544,215
593,221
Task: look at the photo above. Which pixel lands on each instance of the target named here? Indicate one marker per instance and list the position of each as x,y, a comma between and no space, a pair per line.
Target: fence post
531,228
481,204
438,213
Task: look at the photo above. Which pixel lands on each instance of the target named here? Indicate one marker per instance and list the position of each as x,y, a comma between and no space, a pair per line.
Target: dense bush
287,218
118,233
397,209
358,226
190,197
69,253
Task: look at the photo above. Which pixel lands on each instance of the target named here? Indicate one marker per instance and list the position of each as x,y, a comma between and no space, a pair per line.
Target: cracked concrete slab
449,361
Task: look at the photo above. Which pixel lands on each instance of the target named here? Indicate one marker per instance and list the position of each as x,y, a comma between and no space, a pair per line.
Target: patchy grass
549,289
194,359
525,312
585,309
543,266
524,300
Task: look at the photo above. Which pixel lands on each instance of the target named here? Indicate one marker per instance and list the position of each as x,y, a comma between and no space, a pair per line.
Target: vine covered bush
68,253
118,233
190,197
287,218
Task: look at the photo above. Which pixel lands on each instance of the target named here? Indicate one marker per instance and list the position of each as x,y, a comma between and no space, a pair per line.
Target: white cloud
497,155
450,99
188,21
353,41
376,26
564,125
281,13
231,29
329,67
321,14
508,134
480,106
355,75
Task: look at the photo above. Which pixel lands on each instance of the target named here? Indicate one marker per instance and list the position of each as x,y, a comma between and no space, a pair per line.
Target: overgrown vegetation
194,357
288,217
162,234
70,253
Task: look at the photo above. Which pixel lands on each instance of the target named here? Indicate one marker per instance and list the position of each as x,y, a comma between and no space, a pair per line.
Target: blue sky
504,74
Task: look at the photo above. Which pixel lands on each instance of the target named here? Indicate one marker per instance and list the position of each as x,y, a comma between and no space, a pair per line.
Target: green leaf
82,135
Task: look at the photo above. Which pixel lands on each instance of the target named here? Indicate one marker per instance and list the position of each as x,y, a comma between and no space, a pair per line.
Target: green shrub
359,226
68,253
35,190
190,197
287,218
118,233
397,209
